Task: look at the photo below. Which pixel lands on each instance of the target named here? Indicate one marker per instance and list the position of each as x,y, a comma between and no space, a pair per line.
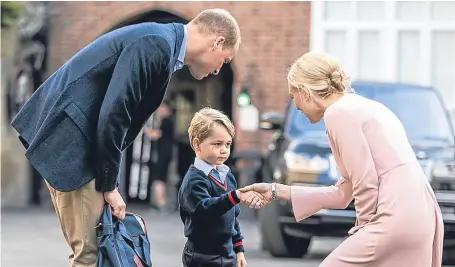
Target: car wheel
275,240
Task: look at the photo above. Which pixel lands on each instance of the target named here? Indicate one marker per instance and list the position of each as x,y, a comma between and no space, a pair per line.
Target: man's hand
251,199
116,202
241,261
265,189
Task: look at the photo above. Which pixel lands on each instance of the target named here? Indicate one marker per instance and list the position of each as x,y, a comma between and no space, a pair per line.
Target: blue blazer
78,122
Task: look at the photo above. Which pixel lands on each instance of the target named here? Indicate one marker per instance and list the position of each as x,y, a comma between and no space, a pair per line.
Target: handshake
255,196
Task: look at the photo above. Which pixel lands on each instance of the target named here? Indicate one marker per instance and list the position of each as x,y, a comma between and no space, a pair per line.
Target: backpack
122,243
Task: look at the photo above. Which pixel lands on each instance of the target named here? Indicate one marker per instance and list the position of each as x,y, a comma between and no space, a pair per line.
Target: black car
299,154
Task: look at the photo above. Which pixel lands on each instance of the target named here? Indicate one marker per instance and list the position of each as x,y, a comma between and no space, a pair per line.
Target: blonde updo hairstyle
318,73
204,120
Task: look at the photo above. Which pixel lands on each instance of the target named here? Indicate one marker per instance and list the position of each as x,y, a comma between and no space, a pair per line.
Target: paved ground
32,238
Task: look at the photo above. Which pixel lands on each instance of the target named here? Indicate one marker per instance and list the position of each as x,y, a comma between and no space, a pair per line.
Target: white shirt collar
207,168
181,57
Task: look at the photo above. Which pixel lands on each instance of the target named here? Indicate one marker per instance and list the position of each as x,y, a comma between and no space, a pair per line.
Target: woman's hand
283,192
264,189
252,199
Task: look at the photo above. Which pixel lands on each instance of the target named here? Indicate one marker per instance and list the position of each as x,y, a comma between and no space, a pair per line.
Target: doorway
186,95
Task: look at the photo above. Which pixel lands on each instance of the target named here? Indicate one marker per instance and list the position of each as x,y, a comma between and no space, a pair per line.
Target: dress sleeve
308,200
352,153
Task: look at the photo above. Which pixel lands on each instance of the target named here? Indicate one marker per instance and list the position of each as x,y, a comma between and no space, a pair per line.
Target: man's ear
219,42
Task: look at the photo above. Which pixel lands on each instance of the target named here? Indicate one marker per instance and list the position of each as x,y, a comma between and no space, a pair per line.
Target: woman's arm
307,200
283,192
348,139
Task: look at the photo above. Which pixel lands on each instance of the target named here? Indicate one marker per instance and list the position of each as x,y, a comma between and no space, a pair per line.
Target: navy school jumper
209,212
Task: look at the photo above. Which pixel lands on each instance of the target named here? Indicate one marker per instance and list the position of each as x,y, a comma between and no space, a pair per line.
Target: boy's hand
251,198
241,261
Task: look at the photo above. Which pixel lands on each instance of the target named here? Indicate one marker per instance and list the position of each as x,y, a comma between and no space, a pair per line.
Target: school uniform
208,209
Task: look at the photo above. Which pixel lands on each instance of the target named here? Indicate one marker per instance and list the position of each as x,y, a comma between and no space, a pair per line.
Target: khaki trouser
79,212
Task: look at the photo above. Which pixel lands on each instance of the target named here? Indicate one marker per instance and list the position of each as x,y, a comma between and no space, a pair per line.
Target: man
77,124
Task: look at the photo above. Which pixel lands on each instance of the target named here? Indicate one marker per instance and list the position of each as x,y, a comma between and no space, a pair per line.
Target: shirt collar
207,168
181,57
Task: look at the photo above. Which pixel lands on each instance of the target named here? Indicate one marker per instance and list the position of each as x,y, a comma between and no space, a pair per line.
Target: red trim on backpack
137,261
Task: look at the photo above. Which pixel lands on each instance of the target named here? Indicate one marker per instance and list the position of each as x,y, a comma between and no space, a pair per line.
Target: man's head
213,40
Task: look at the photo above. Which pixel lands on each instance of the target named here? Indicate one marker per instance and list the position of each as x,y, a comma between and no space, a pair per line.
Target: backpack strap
106,221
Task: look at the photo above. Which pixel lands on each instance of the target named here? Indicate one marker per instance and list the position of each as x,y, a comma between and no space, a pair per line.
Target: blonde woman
399,223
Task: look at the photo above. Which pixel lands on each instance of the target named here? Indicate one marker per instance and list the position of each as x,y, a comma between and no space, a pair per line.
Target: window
369,59
337,10
335,44
443,11
390,41
408,56
443,64
371,10
410,10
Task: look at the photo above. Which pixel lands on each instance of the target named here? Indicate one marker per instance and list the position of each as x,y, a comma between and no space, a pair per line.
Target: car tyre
273,238
448,256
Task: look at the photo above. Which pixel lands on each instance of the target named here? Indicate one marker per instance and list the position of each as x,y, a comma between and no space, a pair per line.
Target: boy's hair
203,122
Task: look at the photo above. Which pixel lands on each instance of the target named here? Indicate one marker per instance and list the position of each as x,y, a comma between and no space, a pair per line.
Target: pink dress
399,223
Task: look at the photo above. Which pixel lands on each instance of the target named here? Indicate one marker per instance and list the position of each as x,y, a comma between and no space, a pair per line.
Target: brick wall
273,35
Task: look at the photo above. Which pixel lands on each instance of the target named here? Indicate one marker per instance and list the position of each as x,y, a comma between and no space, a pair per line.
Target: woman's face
309,105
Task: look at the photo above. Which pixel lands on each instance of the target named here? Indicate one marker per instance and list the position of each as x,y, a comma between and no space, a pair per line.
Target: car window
419,109
299,126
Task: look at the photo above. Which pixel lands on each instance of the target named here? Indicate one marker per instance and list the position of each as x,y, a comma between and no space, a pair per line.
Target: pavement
32,238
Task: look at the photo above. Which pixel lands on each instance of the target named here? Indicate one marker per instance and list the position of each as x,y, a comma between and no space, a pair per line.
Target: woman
399,223
164,137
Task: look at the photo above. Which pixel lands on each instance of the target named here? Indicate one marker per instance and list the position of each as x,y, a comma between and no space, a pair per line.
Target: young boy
208,196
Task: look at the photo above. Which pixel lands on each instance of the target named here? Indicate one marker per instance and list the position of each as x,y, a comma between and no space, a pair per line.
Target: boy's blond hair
203,122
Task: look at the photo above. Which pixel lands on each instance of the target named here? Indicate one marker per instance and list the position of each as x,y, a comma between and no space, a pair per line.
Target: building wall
273,35
391,41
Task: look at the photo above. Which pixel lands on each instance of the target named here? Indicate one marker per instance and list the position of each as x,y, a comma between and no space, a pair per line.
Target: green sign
243,99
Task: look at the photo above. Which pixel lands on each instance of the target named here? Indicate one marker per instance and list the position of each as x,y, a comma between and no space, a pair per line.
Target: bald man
77,124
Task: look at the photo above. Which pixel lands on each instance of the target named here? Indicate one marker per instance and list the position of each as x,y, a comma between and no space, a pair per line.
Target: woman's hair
318,73
203,122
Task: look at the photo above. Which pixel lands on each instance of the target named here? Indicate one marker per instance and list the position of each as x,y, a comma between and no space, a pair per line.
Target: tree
10,12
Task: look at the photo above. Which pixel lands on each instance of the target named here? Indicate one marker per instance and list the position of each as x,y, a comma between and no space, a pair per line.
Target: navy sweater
209,211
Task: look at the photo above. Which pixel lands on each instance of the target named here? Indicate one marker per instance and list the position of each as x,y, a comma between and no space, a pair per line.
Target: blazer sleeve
237,239
197,200
347,136
139,61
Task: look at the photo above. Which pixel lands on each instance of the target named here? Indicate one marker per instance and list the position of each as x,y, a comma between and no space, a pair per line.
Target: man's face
211,60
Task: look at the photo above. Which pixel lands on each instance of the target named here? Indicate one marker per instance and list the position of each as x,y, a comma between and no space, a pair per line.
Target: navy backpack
122,243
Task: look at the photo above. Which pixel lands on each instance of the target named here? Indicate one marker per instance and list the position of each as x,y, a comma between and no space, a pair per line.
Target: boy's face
216,148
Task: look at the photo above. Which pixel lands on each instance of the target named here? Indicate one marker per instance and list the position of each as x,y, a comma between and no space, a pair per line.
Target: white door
390,41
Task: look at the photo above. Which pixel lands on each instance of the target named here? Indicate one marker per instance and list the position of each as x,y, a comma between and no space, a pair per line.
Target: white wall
390,41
